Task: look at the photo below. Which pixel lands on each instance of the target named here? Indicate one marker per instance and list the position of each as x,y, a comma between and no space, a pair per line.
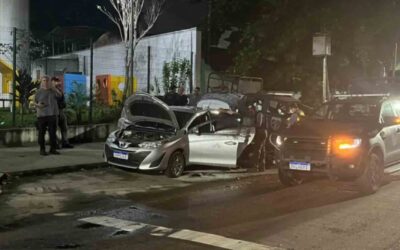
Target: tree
26,88
176,73
28,49
134,19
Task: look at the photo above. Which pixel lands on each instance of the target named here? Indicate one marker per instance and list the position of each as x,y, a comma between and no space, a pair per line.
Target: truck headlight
346,143
150,145
279,141
346,147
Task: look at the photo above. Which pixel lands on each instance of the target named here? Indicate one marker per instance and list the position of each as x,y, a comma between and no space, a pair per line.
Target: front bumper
138,158
332,167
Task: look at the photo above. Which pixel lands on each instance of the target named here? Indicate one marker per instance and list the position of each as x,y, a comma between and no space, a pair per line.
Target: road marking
184,234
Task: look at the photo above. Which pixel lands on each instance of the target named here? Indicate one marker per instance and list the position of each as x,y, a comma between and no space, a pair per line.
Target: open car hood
143,107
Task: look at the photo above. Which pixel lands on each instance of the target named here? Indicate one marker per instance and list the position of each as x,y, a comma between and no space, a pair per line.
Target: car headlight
150,145
111,138
279,141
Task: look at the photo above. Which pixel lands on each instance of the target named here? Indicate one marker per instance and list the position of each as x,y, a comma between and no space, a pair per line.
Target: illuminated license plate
121,155
302,166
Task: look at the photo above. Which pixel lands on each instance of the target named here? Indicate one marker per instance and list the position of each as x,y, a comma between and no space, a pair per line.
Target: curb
57,170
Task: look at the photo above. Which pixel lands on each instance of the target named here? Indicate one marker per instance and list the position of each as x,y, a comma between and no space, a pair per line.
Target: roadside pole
148,69
14,77
91,83
132,31
325,79
395,60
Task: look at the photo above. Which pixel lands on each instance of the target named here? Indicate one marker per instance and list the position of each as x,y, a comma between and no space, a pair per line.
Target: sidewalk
27,161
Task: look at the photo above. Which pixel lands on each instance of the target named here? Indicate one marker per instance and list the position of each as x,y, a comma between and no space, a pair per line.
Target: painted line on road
184,234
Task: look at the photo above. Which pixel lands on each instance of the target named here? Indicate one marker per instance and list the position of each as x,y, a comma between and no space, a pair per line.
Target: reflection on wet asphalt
256,209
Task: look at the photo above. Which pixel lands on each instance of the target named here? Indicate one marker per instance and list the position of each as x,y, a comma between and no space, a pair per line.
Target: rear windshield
183,118
149,110
347,111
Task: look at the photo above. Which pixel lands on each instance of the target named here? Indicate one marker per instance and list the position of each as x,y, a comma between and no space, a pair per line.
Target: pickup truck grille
307,149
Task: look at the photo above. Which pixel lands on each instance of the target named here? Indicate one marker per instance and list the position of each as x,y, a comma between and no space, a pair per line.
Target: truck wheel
176,165
372,178
289,178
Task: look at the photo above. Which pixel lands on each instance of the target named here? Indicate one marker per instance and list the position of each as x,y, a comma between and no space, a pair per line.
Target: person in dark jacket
62,118
47,112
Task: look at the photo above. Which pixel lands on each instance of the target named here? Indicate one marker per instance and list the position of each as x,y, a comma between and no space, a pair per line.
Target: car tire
176,165
373,175
289,178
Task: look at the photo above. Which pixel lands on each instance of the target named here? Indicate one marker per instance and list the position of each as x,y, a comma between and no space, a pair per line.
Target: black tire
289,178
372,178
176,165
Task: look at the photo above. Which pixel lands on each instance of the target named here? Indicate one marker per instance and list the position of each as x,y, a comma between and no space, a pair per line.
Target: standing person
261,136
183,99
47,112
171,97
195,97
62,118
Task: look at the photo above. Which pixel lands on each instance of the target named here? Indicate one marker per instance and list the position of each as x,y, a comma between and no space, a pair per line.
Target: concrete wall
185,44
13,13
78,134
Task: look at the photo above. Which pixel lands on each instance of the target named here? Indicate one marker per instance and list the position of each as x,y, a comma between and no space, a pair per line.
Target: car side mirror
195,131
391,121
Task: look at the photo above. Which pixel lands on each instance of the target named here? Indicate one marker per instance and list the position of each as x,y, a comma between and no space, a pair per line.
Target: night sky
49,14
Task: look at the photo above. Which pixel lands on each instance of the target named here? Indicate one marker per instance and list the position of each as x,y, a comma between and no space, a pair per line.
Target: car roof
361,99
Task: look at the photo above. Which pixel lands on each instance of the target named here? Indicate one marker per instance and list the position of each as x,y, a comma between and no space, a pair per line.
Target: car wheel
373,175
176,165
289,178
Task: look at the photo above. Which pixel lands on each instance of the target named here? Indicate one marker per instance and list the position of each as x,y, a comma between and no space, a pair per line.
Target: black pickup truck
349,138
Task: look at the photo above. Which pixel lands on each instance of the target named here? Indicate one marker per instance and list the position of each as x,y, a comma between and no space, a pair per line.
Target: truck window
387,112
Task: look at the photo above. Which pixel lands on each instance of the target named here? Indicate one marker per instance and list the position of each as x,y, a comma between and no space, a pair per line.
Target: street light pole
14,77
325,79
130,80
91,83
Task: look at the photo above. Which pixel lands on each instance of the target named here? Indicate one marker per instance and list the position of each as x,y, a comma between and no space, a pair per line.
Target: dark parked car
351,138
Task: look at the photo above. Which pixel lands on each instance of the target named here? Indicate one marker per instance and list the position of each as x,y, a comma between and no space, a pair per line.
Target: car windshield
347,111
183,117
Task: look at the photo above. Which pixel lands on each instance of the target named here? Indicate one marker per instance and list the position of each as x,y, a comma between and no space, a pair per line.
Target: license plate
121,155
302,166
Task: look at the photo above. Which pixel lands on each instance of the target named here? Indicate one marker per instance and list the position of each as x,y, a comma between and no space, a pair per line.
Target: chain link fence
158,65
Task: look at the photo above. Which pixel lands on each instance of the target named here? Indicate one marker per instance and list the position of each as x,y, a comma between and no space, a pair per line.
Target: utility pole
130,80
395,60
325,79
91,83
148,69
209,30
14,77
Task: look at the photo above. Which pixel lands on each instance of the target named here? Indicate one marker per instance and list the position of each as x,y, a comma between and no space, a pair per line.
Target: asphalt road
114,209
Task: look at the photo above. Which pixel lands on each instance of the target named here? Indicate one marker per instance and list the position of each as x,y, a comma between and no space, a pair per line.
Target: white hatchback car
154,136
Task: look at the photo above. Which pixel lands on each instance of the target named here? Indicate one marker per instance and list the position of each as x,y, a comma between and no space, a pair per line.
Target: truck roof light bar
360,95
280,93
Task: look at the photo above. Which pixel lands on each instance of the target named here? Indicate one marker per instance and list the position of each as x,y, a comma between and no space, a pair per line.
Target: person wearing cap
62,118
